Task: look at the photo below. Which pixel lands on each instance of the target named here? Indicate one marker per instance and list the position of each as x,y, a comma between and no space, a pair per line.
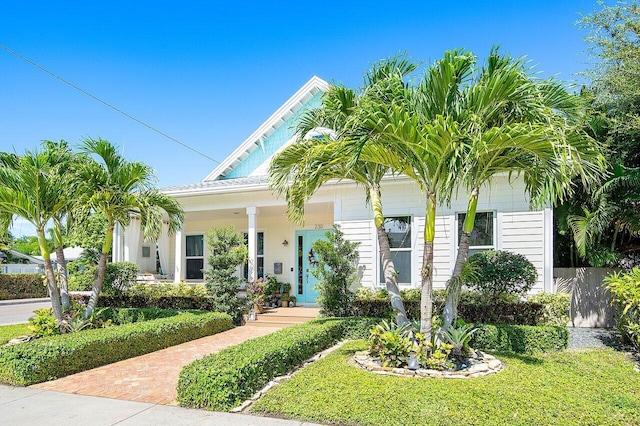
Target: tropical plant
31,189
625,294
120,189
337,261
322,154
228,253
459,338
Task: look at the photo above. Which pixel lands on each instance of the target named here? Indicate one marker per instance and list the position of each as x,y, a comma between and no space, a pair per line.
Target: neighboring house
237,193
21,264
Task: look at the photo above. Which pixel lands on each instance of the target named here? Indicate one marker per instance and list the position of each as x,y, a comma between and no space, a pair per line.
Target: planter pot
285,303
259,308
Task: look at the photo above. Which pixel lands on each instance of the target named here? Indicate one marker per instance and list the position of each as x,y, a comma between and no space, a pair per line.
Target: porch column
252,242
178,273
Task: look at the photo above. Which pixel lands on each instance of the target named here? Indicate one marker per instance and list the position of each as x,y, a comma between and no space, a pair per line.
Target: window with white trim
483,235
398,231
259,256
195,256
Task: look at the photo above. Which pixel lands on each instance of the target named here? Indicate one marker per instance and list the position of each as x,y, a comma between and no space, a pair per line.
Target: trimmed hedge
520,338
22,286
523,313
224,380
161,302
121,316
58,356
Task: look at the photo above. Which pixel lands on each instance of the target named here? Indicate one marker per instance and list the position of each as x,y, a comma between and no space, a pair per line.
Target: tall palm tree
119,189
302,168
30,190
420,124
63,162
512,123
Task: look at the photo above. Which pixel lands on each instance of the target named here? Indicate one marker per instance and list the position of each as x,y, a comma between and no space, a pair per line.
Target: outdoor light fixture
285,243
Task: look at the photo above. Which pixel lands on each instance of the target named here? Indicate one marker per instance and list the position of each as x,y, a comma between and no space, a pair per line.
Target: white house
237,193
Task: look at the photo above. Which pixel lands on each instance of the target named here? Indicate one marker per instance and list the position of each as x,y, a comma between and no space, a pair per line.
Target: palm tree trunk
62,264
62,275
454,285
51,278
390,277
388,266
102,267
426,301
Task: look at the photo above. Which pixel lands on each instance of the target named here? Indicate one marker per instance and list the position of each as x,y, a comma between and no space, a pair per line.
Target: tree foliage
228,253
336,267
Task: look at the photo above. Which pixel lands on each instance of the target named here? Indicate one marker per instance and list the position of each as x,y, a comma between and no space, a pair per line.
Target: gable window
259,256
195,257
398,231
483,234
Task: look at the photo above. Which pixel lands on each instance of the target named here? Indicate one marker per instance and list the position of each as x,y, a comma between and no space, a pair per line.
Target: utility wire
40,67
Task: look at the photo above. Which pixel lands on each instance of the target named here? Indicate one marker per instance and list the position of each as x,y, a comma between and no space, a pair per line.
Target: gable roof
256,140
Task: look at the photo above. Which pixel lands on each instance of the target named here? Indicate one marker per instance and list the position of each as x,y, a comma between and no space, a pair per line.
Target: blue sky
209,73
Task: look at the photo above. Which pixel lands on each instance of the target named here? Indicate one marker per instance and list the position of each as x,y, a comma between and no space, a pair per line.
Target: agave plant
459,337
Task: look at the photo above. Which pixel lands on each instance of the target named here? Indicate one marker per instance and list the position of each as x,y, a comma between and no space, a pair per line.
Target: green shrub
159,302
58,356
625,295
224,380
228,253
520,338
556,307
80,276
336,269
120,316
501,272
168,290
22,286
118,277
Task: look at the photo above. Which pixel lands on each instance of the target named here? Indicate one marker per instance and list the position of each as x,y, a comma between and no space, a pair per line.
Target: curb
23,301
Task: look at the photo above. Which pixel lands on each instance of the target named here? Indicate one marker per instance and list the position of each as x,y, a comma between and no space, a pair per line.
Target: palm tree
30,190
119,189
420,125
63,163
322,154
511,123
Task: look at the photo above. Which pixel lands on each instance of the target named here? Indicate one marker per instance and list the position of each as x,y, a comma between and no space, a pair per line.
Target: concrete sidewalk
28,406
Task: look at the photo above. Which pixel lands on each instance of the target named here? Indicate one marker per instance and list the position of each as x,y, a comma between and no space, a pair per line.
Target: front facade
237,193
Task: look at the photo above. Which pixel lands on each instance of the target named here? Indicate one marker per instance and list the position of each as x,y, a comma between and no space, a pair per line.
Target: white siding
523,233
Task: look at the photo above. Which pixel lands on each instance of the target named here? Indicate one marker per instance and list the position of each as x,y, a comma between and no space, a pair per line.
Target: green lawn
594,387
8,332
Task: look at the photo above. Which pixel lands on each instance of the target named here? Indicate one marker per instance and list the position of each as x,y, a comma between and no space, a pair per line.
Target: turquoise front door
305,290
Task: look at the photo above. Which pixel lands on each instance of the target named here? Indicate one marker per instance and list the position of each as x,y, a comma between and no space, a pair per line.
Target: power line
41,68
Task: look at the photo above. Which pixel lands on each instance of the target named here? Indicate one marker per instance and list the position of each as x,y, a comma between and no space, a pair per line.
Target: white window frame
494,237
187,258
245,235
410,249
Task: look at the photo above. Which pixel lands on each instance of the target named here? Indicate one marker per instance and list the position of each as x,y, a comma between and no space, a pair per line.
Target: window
483,234
259,256
195,257
398,231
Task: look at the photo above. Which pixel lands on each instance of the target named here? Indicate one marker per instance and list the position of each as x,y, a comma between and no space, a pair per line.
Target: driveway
19,311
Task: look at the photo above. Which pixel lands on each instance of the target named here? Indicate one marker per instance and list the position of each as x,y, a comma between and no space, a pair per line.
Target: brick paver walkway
153,377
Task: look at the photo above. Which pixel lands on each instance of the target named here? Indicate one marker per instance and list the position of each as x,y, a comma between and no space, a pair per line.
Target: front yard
597,386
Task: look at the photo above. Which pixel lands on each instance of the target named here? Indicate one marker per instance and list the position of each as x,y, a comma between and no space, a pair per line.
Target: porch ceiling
266,211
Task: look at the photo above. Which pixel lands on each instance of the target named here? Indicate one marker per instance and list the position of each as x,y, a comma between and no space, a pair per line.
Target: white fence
21,268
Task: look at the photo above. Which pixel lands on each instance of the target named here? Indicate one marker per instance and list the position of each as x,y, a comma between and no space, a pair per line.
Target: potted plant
256,292
285,300
292,301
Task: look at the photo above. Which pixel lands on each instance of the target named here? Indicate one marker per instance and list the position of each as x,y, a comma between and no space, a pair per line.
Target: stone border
244,407
482,366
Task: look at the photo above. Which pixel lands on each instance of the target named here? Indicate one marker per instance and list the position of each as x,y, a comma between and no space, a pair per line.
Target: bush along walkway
153,377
